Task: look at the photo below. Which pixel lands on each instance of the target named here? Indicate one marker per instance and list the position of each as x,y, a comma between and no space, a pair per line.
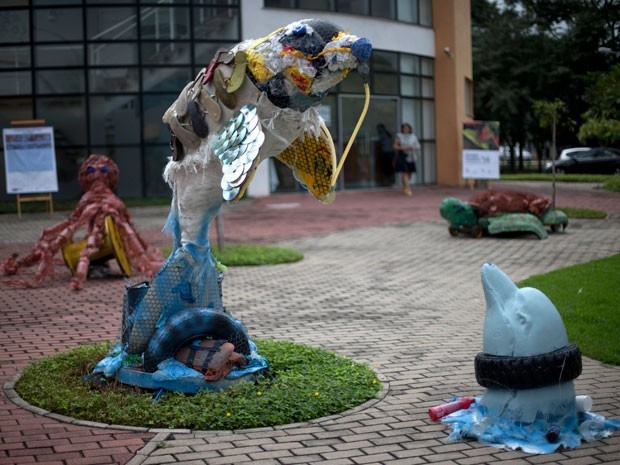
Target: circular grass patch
303,383
251,254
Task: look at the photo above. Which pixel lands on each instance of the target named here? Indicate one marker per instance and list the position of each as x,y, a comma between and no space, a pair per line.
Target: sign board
481,150
480,164
30,160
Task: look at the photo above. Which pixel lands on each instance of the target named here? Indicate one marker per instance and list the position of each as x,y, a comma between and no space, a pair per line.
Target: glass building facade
102,73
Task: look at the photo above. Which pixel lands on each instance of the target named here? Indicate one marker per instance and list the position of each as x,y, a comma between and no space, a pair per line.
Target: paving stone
387,285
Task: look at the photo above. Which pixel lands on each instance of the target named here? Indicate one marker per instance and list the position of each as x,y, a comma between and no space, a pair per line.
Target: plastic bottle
440,411
583,403
553,434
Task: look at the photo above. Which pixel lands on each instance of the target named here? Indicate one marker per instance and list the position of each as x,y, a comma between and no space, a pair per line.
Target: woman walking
406,147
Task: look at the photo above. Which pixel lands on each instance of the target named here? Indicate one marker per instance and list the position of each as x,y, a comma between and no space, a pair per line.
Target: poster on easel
30,160
481,150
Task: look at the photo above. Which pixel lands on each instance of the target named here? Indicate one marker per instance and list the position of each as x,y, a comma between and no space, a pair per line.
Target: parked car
564,154
504,153
599,160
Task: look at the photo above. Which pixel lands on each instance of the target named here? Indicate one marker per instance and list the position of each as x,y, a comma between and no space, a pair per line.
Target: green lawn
251,254
609,182
587,296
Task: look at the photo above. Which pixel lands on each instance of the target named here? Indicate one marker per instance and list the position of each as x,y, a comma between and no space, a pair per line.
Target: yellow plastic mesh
314,161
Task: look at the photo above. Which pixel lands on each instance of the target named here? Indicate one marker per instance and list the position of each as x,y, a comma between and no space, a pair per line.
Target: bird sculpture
252,102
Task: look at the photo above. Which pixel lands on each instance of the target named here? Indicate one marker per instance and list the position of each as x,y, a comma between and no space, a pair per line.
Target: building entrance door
365,167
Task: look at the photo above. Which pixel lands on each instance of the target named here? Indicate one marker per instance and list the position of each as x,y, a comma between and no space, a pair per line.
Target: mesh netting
185,281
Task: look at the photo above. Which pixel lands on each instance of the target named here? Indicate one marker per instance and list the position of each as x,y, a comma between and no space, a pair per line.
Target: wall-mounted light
448,52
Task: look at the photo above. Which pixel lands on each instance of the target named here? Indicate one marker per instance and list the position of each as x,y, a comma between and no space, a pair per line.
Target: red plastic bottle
437,413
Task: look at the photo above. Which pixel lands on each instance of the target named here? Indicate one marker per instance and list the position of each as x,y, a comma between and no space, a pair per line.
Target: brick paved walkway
382,282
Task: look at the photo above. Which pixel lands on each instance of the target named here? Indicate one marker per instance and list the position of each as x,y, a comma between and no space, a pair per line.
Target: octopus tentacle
98,177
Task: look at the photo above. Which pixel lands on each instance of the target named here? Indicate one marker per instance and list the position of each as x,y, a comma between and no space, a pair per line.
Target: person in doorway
386,142
406,147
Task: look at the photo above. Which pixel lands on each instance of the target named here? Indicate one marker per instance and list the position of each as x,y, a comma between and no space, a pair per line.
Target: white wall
257,22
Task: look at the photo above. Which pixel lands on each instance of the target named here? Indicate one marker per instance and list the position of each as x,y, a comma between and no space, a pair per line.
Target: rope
355,131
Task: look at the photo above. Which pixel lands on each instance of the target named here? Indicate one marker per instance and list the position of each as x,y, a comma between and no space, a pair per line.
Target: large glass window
63,81
112,53
58,25
411,11
428,66
57,2
426,14
157,2
155,159
115,119
315,5
129,164
428,88
384,61
385,84
204,52
164,23
117,23
16,83
165,79
153,107
280,3
353,7
103,2
66,114
15,109
166,53
113,80
68,161
409,64
216,23
14,26
383,8
59,55
15,57
410,86
408,11
102,73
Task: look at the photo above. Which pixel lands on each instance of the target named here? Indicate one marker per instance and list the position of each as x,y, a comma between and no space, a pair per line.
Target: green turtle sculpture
495,212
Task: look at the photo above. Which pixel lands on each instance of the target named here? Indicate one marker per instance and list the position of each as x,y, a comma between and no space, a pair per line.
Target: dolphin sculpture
527,367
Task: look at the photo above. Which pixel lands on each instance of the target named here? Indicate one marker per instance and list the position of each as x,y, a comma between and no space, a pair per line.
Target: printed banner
481,150
30,160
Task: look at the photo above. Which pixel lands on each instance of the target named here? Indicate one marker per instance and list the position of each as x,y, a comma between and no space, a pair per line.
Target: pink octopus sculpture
98,178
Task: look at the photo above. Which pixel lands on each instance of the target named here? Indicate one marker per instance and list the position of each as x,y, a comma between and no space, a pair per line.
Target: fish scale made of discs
237,145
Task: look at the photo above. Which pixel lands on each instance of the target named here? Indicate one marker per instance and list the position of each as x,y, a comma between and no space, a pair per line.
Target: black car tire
528,372
189,324
476,232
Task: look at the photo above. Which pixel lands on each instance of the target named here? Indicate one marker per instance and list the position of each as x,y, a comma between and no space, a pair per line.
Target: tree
549,115
529,50
602,119
508,58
